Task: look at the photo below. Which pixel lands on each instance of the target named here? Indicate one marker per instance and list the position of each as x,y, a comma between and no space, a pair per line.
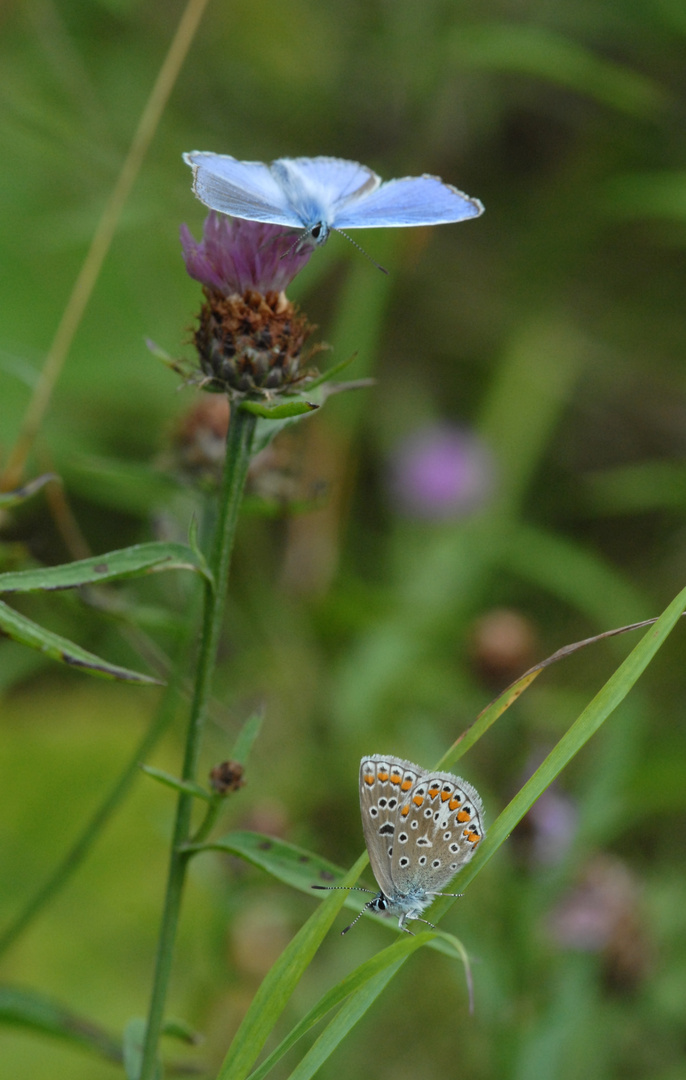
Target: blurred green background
551,331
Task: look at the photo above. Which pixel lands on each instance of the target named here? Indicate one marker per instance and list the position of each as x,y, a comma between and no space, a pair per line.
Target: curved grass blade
287,863
278,985
358,1004
102,239
580,732
584,727
125,563
284,976
21,494
509,695
40,1013
295,867
362,986
368,972
24,630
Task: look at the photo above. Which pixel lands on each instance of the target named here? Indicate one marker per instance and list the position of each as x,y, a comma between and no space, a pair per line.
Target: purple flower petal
235,255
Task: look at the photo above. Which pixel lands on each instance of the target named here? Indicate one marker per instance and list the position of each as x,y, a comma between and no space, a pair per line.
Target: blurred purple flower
553,819
235,255
440,472
589,915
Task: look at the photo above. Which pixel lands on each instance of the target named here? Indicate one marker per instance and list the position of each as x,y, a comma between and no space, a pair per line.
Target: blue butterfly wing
316,187
243,189
413,200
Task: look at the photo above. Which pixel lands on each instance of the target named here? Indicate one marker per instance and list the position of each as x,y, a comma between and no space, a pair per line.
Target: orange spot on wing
454,803
405,811
433,792
418,800
464,816
406,785
445,795
368,779
383,776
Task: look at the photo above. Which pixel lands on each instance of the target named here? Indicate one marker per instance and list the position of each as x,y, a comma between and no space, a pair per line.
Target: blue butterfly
323,193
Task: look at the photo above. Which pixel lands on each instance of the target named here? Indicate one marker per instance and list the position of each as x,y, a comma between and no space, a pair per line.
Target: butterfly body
322,194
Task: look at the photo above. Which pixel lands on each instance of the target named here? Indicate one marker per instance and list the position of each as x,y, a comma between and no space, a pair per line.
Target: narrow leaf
125,563
24,630
392,956
297,868
343,1022
284,411
290,864
247,735
584,727
363,997
278,985
21,494
29,1009
185,786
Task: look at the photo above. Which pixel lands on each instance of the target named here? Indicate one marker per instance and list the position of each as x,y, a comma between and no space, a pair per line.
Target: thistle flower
250,336
234,255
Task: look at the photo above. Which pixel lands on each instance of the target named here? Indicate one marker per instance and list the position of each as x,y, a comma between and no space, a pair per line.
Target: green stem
238,444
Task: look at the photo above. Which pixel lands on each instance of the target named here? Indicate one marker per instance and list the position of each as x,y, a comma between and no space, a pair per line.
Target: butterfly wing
413,200
316,187
243,189
383,781
440,826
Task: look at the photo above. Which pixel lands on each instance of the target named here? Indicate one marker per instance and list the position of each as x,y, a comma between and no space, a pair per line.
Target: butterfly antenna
358,917
348,888
360,248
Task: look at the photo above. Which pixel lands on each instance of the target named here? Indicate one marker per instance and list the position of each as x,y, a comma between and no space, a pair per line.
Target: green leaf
313,397
246,736
24,630
125,563
369,971
181,1030
296,867
361,988
293,406
352,1010
278,985
19,495
584,727
535,51
40,1013
287,863
327,376
185,786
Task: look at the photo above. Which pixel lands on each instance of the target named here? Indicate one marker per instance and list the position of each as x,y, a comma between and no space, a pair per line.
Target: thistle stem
238,446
